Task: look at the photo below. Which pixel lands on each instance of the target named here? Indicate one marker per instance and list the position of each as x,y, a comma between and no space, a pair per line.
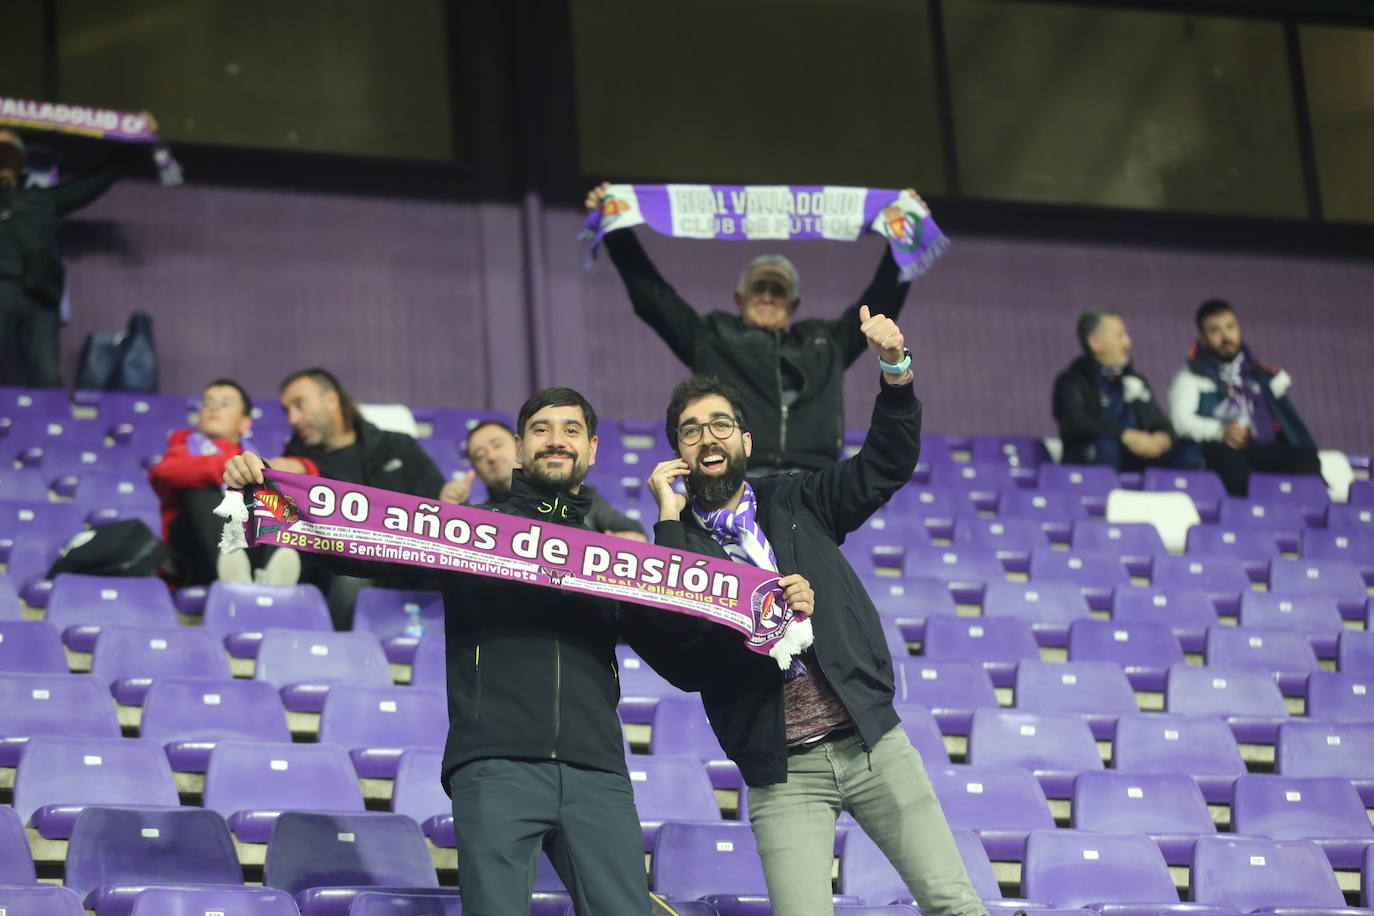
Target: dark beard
713,491
576,475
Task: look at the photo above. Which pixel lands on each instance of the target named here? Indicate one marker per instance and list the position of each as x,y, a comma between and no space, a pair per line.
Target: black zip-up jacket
808,433
806,517
1079,410
391,461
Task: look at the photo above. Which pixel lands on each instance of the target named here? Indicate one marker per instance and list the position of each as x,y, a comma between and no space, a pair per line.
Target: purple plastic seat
251,784
239,613
326,859
964,566
1258,874
1049,607
1201,747
40,900
189,716
384,611
950,688
1012,539
1116,874
1352,518
9,601
680,727
1355,651
924,733
670,788
882,542
304,664
1248,699
1168,807
65,705
430,668
37,516
394,903
141,409
229,901
936,509
31,647
58,777
116,852
866,873
1254,547
1132,544
1188,612
999,644
39,432
30,555
1306,492
109,490
910,600
641,687
456,422
1314,748
1097,576
129,658
1056,511
983,479
1326,810
1055,746
62,465
80,605
1284,654
16,862
1222,578
18,402
1353,547
1097,691
419,794
1143,649
1090,483
22,483
1204,487
1333,578
1316,617
1015,451
1339,696
1283,522
1002,805
375,724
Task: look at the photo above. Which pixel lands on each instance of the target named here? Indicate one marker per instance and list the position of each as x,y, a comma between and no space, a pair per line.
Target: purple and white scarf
761,212
102,123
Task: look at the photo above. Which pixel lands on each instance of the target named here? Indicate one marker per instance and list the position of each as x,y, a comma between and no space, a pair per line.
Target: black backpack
123,548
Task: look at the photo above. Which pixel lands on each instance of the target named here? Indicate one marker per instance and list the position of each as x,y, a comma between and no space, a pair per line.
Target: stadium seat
692,861
375,724
1326,810
1132,544
1334,578
1204,487
141,409
1350,519
190,716
1012,539
229,901
910,600
430,668
58,777
1098,692
1252,546
1314,616
1340,696
392,903
1049,607
999,644
116,852
1353,547
1089,483
882,542
1284,523
64,705
22,483
670,788
1355,652
1200,747
304,664
950,688
1168,807
1249,700
31,647
1341,749
1305,492
680,727
40,900
130,658
251,784
1116,874
49,403
9,600
1055,511
16,862
1260,874
965,567
641,686
238,613
383,611
1187,611
936,509
80,605
1285,655
1097,576
419,794
1222,578
1055,746
1143,649
924,733
982,478
63,465
1002,805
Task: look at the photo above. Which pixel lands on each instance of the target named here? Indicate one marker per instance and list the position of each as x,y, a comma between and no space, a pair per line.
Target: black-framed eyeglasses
721,428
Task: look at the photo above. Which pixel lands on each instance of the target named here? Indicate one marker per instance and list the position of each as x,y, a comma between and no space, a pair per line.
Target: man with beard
822,737
535,754
1237,406
491,449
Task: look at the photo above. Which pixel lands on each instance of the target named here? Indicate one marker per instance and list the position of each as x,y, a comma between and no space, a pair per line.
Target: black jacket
808,434
806,517
30,253
1080,410
391,461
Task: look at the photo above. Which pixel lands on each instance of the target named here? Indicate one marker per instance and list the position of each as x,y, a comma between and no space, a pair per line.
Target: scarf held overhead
758,212
334,517
101,123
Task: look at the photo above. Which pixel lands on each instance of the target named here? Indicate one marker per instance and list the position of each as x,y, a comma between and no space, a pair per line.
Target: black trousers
29,329
193,537
506,811
1235,464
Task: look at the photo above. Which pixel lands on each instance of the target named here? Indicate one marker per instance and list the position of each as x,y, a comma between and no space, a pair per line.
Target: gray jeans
890,796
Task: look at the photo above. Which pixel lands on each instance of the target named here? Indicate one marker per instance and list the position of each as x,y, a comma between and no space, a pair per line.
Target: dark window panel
1339,66
23,60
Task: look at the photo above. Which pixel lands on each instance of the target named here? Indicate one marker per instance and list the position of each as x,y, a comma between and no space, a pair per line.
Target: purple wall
432,303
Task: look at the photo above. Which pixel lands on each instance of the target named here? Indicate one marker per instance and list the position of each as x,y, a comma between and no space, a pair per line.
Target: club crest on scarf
274,509
902,227
769,611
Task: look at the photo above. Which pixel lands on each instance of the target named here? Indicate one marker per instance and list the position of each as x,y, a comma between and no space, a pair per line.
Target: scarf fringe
927,259
797,639
233,509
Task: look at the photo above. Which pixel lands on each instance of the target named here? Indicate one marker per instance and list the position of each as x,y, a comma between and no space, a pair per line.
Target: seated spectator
493,450
1237,407
187,482
1105,409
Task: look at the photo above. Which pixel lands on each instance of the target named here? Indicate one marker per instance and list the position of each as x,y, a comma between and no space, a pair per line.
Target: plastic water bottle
414,625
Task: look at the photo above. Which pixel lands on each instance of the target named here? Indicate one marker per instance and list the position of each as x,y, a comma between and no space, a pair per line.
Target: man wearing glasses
821,737
790,377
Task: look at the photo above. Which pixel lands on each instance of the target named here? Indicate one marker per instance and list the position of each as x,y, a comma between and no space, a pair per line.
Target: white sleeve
1184,393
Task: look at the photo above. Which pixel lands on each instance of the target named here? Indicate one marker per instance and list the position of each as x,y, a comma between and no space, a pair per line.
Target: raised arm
885,295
